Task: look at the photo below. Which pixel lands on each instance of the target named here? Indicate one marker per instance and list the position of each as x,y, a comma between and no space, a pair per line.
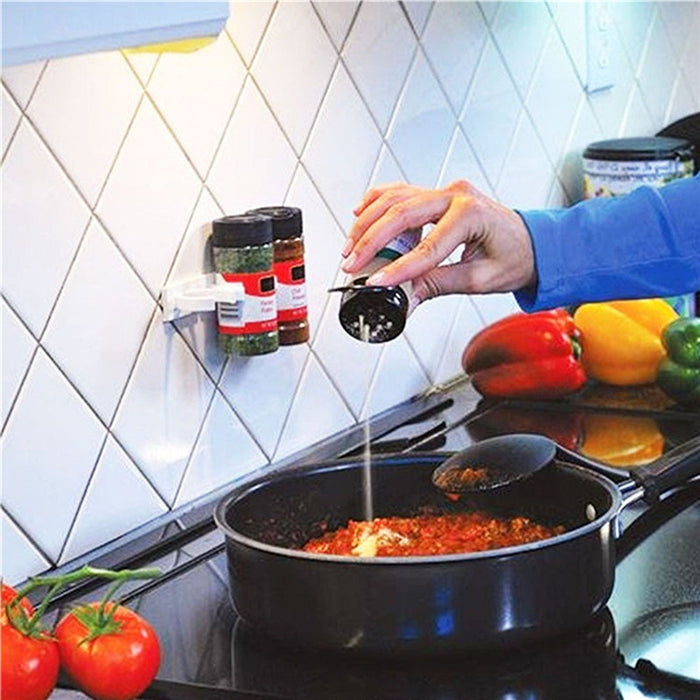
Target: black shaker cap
286,221
373,314
241,231
642,148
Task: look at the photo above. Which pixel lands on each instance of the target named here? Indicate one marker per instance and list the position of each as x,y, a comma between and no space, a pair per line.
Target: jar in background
378,314
617,166
242,250
290,273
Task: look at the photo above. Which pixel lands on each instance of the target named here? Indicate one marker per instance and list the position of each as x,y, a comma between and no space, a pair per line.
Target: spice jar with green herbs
290,277
242,250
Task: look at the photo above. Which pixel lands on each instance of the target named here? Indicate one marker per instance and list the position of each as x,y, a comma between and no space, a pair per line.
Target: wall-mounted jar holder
199,294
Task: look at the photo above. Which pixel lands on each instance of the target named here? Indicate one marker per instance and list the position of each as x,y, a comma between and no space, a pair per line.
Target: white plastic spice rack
199,294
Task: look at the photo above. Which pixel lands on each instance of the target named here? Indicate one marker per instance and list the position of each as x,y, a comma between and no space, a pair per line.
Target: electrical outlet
600,46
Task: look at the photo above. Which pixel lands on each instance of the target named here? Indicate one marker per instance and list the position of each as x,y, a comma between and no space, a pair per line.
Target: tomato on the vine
110,651
30,657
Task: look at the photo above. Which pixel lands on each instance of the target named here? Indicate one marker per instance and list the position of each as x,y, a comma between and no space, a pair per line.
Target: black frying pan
438,604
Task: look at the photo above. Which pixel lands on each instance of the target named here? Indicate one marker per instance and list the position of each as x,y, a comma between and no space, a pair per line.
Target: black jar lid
381,310
640,148
286,221
241,231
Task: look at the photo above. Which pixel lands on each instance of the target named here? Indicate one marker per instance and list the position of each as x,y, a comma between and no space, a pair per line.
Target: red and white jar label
291,290
258,311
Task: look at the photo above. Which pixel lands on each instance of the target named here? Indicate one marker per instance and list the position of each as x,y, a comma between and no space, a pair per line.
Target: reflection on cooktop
580,665
619,441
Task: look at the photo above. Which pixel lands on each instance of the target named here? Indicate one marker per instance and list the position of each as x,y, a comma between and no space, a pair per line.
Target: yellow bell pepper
621,340
621,441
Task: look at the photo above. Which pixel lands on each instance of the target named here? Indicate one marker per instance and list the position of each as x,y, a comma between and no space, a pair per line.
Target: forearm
646,244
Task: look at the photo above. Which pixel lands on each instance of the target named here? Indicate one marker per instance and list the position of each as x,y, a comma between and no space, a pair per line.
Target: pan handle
672,469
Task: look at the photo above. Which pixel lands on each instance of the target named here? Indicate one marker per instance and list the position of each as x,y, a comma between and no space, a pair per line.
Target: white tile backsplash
196,94
63,108
50,446
18,346
114,166
87,335
10,119
294,89
378,54
43,219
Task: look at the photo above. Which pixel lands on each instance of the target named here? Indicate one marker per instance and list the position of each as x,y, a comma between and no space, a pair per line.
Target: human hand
497,255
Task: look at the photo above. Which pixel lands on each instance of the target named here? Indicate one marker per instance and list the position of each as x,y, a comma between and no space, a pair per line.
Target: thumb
457,278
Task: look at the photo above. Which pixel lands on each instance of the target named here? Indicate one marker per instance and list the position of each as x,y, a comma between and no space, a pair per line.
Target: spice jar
290,275
378,314
242,250
615,167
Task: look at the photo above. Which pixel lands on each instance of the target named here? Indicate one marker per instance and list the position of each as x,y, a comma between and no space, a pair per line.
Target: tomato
117,663
30,663
8,595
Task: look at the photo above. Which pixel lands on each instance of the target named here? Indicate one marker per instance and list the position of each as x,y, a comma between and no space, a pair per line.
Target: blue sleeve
645,244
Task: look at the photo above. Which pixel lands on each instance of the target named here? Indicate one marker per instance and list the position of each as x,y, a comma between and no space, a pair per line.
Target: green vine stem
29,624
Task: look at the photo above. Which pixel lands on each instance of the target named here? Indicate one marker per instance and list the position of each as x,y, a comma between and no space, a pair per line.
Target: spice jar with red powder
288,266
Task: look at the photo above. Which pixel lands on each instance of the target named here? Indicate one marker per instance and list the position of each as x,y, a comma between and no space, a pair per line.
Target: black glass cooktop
643,645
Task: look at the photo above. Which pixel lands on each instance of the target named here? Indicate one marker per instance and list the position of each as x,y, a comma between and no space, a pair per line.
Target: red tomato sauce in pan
422,535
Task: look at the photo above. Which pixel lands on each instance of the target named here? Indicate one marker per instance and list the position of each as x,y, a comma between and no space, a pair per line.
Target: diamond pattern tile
461,164
161,205
294,89
18,557
10,119
254,137
570,21
520,30
426,328
43,218
96,353
49,449
527,174
196,94
491,112
163,407
345,128
418,12
398,377
659,62
422,126
378,54
102,517
453,40
632,20
246,25
18,346
83,106
337,18
214,463
317,411
261,389
609,105
115,164
553,119
21,81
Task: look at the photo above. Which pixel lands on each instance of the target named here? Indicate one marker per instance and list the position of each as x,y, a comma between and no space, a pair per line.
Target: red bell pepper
526,356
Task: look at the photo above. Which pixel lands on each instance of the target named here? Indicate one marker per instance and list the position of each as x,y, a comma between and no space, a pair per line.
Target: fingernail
375,279
348,264
346,248
412,303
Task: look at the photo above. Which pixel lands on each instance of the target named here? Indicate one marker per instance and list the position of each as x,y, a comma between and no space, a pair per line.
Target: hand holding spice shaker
243,252
290,275
378,314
